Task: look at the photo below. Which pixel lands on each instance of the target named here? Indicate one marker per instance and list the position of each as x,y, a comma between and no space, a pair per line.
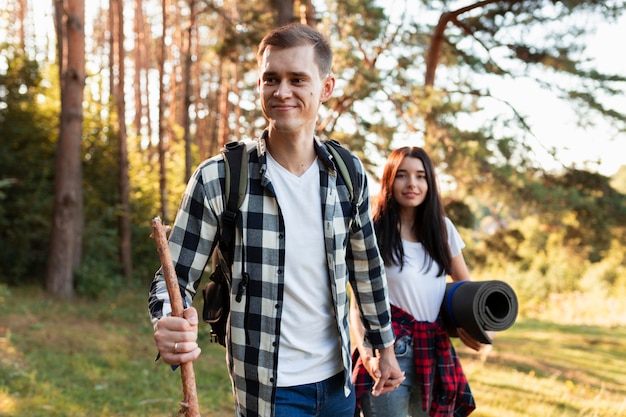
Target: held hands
385,371
176,337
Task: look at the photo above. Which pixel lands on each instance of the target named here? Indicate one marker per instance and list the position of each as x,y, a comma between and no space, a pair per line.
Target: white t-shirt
310,345
415,289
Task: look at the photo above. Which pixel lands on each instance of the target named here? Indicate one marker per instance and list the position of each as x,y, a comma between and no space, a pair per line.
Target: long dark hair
429,225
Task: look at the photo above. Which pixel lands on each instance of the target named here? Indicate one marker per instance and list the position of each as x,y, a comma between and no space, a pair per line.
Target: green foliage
589,210
29,126
539,263
460,214
99,274
28,129
548,231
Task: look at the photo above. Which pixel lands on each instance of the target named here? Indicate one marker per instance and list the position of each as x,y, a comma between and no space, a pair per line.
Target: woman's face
410,186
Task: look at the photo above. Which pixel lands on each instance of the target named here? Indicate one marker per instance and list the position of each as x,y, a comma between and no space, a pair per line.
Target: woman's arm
383,367
458,273
358,333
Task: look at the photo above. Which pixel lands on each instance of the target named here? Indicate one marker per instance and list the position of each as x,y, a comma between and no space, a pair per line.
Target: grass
545,369
96,358
87,358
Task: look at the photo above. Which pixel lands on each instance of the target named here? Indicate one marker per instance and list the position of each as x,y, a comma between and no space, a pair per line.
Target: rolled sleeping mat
478,307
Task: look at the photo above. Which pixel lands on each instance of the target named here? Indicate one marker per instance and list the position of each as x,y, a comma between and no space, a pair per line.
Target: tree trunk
67,225
112,54
432,133
284,10
99,37
188,89
224,107
210,144
163,131
307,13
124,228
21,17
141,108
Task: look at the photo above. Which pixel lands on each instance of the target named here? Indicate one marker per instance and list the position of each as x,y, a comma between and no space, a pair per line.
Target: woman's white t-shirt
417,289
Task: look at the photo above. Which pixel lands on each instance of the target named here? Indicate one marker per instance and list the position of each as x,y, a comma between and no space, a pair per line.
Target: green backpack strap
347,169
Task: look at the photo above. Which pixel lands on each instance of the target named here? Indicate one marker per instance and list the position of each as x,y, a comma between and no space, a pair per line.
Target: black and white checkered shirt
252,340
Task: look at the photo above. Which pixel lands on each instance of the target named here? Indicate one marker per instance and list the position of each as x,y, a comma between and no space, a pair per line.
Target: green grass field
96,358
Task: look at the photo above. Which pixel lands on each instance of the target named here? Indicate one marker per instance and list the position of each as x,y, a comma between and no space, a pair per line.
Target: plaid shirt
254,326
443,383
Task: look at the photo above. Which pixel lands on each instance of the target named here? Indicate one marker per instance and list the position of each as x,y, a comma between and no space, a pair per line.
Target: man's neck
295,153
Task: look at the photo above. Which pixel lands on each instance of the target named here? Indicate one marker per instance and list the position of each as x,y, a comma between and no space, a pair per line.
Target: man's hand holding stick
189,405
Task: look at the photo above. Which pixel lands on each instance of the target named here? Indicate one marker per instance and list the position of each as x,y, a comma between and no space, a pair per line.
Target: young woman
420,247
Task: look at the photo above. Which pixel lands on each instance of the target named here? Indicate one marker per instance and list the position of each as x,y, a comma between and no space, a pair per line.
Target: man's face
291,88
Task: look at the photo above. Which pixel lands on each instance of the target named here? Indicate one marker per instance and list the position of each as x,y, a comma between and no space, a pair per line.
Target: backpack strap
236,166
216,293
347,169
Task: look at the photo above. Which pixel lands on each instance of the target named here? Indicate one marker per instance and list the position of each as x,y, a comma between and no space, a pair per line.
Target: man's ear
327,88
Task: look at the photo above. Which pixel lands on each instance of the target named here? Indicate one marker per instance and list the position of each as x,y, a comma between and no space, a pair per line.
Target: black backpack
216,292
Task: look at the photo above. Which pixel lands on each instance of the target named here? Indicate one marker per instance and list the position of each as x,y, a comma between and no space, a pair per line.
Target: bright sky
552,121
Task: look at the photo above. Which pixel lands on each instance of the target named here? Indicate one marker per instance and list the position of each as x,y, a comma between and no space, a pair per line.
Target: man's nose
283,89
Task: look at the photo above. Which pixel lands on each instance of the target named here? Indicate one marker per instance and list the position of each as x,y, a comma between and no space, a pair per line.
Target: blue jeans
319,399
405,400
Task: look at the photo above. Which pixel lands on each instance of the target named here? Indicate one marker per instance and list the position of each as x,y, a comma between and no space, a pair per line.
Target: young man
300,242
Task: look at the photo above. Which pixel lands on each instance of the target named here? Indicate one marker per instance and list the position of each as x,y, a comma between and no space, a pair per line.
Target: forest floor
96,358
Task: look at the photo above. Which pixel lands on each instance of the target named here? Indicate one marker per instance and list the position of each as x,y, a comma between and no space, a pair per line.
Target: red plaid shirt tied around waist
442,381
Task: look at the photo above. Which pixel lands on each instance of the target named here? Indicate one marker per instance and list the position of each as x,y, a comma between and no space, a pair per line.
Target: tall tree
284,12
163,106
21,21
467,48
501,39
142,63
414,76
123,180
67,225
188,97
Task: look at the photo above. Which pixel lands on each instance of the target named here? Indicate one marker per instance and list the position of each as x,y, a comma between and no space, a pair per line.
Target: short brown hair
298,34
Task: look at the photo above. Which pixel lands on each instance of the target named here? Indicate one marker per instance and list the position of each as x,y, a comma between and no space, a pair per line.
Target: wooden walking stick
189,405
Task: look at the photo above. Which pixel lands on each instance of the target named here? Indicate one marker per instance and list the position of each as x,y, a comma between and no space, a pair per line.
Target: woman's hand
384,370
468,340
390,376
370,363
